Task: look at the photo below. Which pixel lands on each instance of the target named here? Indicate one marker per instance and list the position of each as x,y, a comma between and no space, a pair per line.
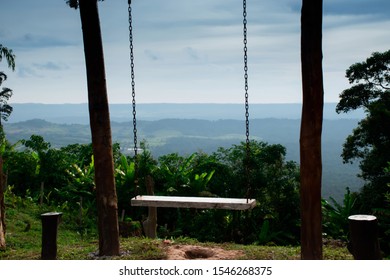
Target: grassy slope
24,241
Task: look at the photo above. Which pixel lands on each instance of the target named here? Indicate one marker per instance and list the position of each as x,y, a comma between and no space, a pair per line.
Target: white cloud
186,51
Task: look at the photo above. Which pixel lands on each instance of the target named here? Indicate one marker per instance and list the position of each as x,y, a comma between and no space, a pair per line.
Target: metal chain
133,97
247,163
247,167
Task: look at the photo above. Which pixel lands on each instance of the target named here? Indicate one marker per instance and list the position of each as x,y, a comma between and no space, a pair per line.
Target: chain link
247,146
133,96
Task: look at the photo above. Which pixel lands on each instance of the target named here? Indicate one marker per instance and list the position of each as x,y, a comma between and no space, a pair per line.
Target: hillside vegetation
185,136
24,231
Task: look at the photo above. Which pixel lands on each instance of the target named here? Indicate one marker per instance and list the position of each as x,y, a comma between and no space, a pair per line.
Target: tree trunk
2,207
100,129
311,129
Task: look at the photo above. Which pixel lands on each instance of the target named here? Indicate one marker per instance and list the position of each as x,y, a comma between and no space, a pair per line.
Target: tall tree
8,55
5,108
106,196
370,140
5,93
311,129
5,111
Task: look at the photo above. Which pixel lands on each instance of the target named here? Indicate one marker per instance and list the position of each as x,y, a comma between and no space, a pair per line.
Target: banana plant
124,173
267,235
124,179
83,179
182,179
178,176
336,215
200,182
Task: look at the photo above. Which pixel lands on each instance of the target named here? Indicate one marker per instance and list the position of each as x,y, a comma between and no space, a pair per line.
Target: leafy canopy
75,3
8,55
370,80
5,93
370,140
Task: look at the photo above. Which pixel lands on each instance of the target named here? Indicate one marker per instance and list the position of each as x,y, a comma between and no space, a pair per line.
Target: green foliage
68,174
370,141
383,215
201,135
178,170
24,239
37,144
125,171
180,176
8,55
24,232
74,3
269,237
201,181
273,182
82,179
20,167
81,154
370,80
5,93
335,215
124,179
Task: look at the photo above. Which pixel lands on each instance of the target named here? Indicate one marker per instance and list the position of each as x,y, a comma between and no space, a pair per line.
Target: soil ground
194,252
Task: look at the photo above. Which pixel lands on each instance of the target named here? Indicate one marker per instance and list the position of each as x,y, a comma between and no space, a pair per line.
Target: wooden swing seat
194,202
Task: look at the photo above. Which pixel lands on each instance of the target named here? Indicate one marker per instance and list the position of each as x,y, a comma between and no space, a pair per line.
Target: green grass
24,230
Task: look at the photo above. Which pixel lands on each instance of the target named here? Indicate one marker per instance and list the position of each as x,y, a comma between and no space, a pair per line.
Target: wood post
150,224
311,130
364,237
42,193
50,222
122,215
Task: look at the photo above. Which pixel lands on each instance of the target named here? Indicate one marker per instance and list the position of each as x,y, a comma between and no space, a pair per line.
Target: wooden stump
50,222
364,237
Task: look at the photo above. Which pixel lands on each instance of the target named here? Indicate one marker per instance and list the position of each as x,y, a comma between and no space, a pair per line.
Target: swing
192,202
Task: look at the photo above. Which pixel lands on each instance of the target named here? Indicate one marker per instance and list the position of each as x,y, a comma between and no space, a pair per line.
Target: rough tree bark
100,129
311,129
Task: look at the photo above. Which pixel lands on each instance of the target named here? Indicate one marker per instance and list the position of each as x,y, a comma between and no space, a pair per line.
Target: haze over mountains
188,128
78,113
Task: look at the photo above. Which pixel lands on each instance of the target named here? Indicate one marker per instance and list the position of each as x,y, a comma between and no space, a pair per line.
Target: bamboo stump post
50,222
364,237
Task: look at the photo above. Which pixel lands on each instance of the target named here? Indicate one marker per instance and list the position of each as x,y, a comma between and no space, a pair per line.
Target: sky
185,51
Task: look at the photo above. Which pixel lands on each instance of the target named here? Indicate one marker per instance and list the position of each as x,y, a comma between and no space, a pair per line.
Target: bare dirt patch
193,252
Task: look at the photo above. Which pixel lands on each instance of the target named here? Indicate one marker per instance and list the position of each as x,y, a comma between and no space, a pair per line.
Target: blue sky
185,51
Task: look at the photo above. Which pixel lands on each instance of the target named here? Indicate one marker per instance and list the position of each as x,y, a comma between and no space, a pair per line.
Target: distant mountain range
78,113
187,128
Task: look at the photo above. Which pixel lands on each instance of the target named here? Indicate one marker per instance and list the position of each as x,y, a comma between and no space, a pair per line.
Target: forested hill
78,113
186,136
